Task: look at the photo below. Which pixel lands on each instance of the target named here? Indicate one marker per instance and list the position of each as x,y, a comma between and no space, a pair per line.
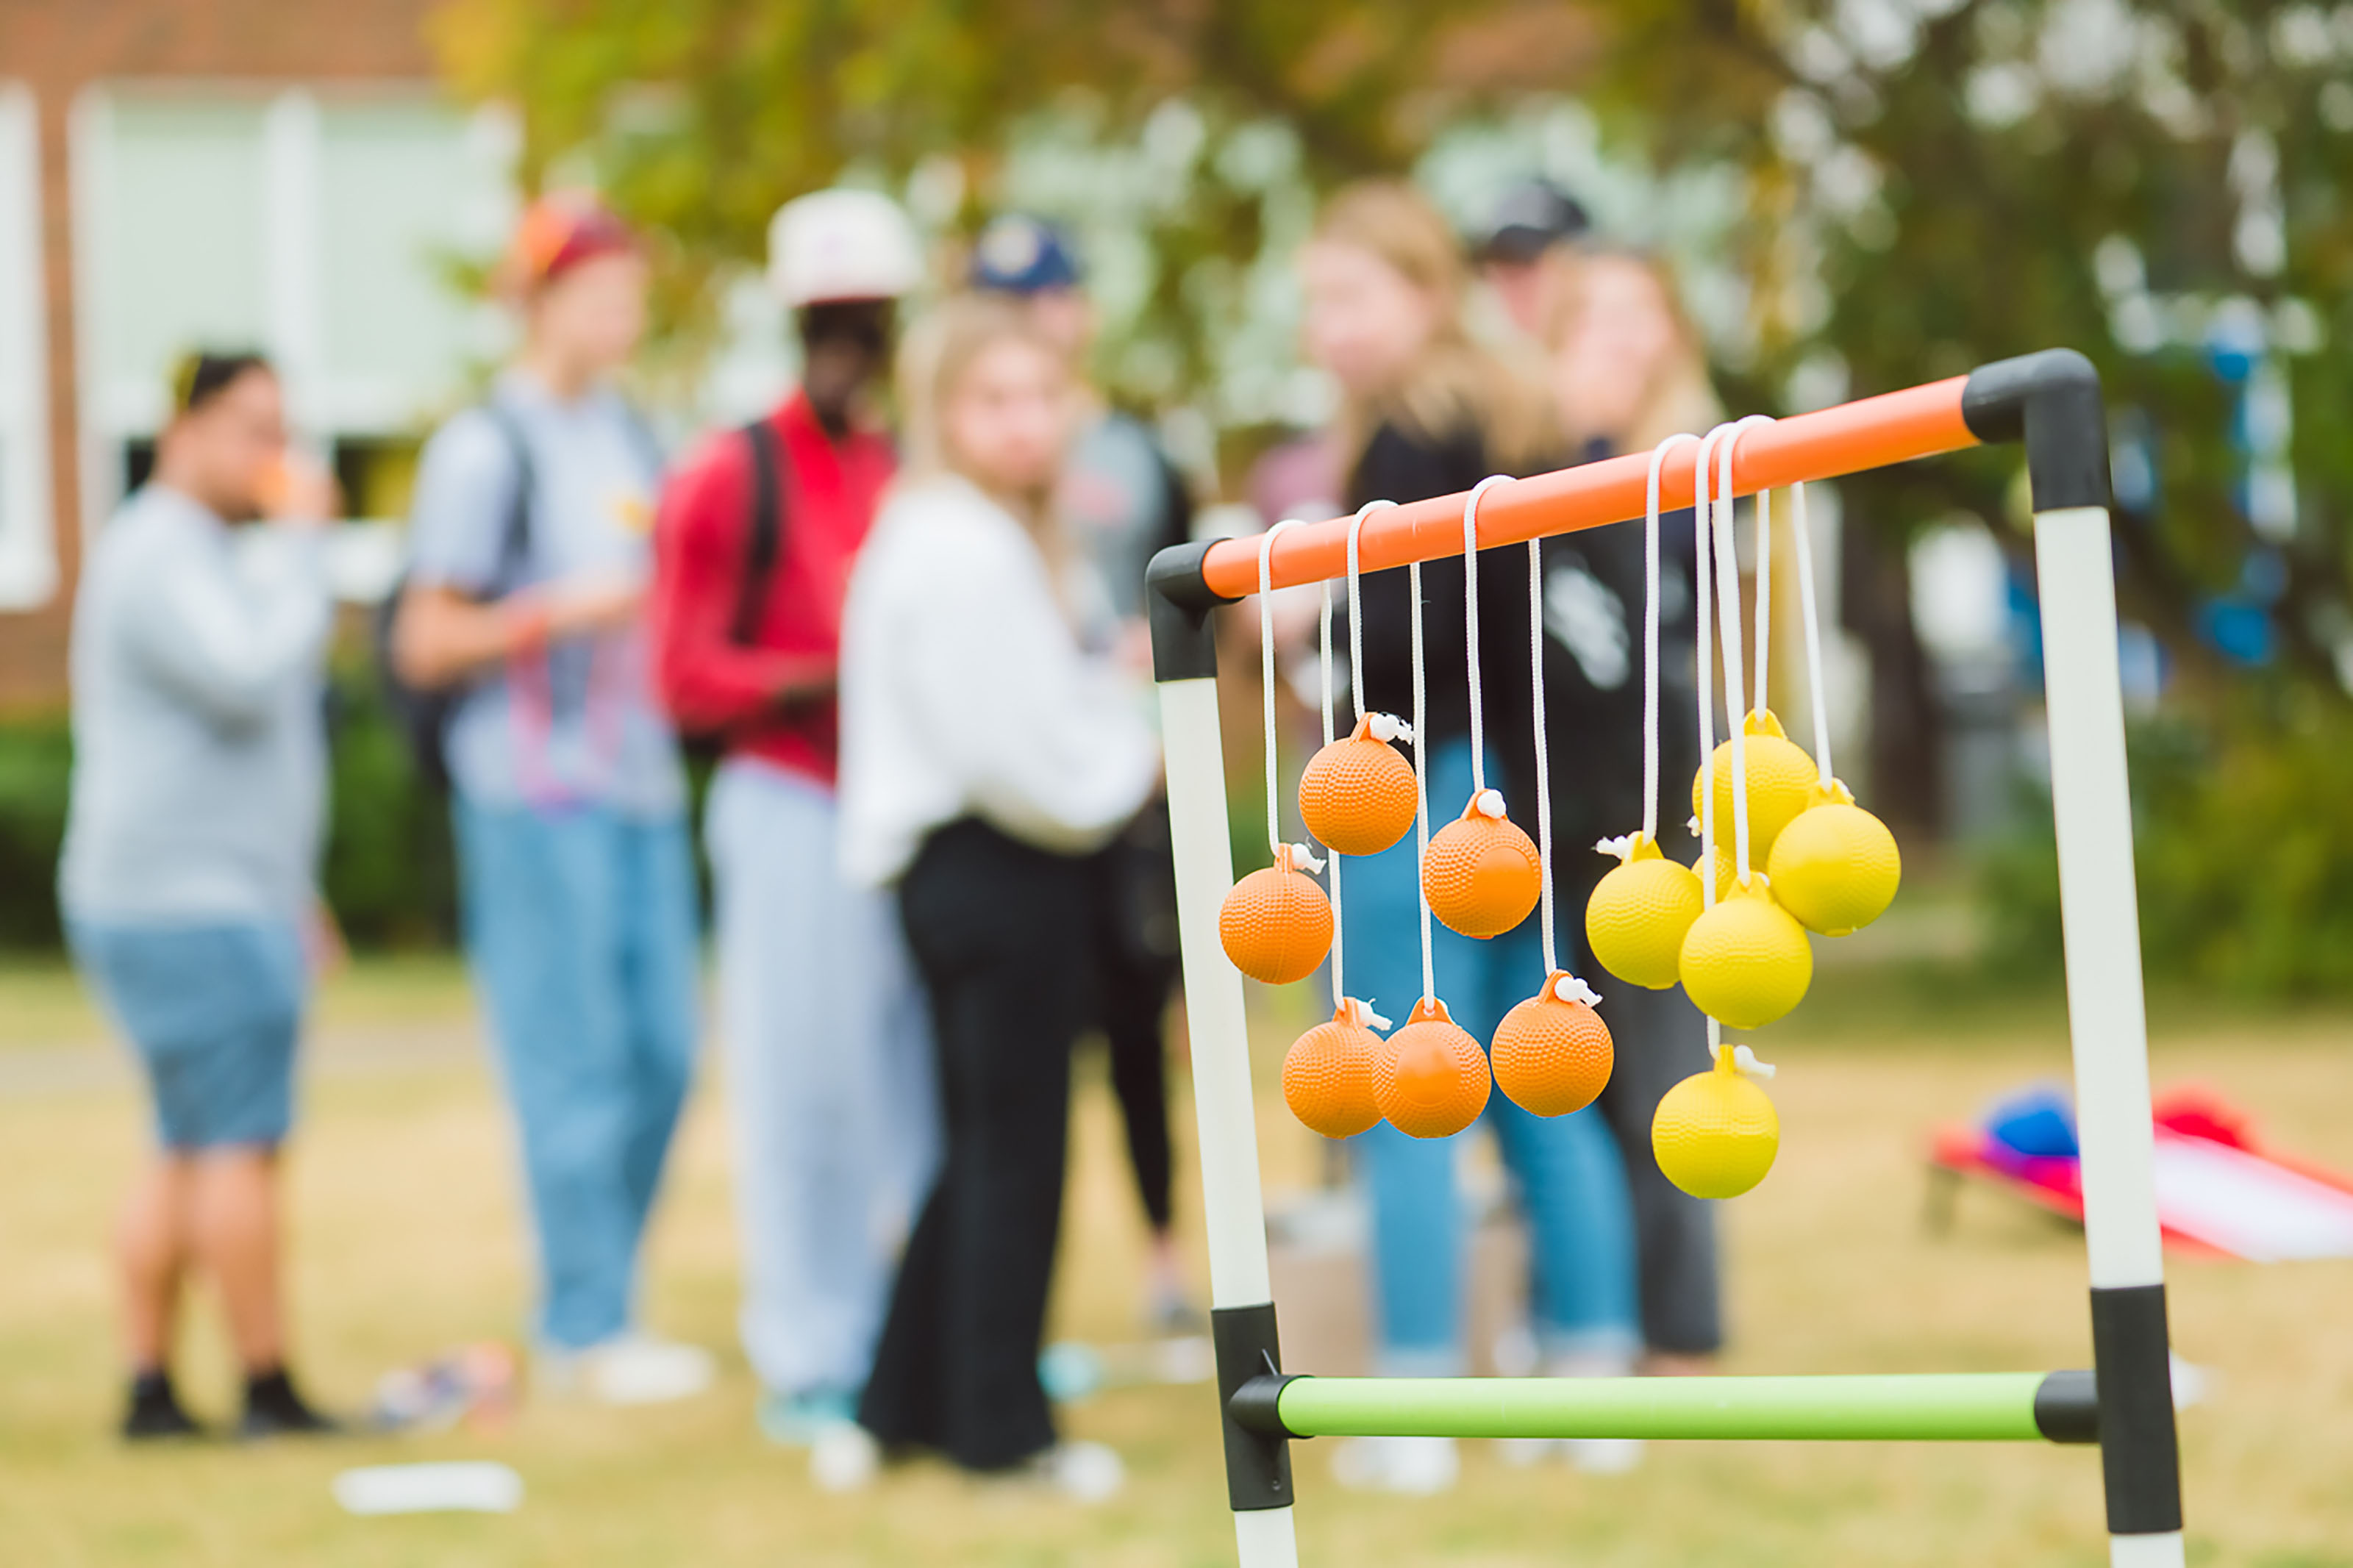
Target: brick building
251,173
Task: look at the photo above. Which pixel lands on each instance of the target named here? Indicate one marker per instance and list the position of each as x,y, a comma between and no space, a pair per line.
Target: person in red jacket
820,1015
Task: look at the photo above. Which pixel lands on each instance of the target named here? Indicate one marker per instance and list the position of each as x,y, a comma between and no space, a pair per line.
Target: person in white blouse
985,757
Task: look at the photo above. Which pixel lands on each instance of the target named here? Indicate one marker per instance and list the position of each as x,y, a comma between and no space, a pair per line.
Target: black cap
1530,220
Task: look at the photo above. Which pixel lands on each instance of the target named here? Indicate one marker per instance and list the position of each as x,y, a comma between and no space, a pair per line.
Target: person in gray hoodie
189,875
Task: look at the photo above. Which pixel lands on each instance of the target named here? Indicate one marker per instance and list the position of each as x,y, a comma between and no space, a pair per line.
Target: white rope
1470,628
1727,589
1266,670
1356,607
1764,641
1339,987
1544,760
1703,536
1650,640
1420,785
1805,542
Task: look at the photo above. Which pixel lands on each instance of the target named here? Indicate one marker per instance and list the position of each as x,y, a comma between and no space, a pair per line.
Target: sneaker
274,1408
1603,1456
798,1420
844,1457
1079,1471
1406,1467
629,1369
154,1414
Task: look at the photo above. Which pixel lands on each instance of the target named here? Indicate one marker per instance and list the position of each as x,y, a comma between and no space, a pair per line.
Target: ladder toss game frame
2050,402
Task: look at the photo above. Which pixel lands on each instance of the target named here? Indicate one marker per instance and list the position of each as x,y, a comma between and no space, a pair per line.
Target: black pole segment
1177,601
1257,1405
2139,1451
2052,402
2067,1408
1258,1463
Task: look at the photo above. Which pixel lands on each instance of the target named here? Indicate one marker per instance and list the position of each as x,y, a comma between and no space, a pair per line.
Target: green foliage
2243,848
35,761
389,872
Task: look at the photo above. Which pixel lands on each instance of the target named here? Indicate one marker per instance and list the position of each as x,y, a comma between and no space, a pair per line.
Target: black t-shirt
1404,467
1593,606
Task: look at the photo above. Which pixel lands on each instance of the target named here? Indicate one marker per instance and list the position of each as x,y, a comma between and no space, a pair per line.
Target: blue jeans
580,927
213,1009
830,1085
1571,1184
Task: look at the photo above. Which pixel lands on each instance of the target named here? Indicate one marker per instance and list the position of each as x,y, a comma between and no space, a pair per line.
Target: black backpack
763,547
422,715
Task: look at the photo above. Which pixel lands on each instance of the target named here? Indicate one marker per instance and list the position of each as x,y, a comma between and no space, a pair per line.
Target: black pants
1000,931
1661,1040
1134,888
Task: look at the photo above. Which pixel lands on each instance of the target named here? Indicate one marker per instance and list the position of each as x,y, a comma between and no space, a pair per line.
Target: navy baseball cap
1530,220
1017,254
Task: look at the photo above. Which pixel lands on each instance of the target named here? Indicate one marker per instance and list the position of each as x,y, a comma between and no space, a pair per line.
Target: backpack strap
765,531
514,538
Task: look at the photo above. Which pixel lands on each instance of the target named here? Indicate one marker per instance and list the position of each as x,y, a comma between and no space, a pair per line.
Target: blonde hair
1454,383
936,355
1681,395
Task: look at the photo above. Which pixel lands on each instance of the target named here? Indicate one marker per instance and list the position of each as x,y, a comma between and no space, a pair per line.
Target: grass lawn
406,1242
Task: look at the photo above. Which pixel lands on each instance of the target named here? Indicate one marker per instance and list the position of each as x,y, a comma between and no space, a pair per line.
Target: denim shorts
213,1011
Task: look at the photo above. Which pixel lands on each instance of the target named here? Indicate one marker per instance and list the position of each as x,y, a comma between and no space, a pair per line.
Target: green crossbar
1932,1407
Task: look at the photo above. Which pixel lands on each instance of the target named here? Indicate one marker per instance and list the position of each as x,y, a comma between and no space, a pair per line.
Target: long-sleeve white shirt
200,778
964,693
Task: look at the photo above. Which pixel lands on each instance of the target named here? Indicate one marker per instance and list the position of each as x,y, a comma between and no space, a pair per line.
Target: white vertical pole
2100,922
1222,1106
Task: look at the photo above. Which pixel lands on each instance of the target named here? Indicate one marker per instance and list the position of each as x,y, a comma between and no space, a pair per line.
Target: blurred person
1119,502
1628,371
528,563
1528,255
987,758
828,1067
1425,412
189,876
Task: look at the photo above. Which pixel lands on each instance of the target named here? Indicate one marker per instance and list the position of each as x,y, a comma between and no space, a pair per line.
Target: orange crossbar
1894,427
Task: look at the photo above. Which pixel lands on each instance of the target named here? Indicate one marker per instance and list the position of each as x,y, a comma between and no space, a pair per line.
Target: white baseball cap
842,243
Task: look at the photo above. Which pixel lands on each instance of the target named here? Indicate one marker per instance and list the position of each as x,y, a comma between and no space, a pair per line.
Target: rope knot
1744,1060
1569,988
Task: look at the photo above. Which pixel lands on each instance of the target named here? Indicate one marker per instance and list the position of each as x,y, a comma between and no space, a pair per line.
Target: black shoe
274,1409
154,1414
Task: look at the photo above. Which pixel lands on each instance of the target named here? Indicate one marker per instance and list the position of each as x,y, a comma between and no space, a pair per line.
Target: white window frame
28,522
128,407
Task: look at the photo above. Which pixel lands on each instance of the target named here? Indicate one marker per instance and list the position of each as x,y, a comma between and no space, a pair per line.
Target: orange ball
1553,1053
1276,924
1433,1077
1482,874
1328,1073
1357,794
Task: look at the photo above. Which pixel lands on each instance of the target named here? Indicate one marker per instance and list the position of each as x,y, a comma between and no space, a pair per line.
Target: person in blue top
189,875
529,556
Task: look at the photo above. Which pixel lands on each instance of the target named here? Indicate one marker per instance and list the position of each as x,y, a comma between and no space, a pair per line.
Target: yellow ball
1782,781
1746,961
1715,1134
1727,870
1636,918
1836,867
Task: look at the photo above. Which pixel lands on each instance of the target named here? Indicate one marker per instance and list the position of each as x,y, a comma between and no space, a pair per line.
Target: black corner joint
2052,402
1258,1450
1178,603
2067,1408
2140,1453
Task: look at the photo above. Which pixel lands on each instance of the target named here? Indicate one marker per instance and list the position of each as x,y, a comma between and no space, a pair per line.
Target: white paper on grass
477,1487
2244,1205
